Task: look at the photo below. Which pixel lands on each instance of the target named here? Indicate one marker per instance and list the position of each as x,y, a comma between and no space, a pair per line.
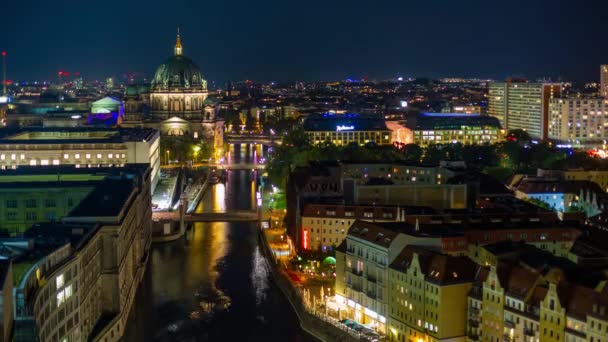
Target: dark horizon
281,41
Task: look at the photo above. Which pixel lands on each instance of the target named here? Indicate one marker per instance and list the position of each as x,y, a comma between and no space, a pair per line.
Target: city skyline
284,42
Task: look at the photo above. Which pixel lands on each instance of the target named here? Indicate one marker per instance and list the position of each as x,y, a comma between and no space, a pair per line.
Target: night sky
309,40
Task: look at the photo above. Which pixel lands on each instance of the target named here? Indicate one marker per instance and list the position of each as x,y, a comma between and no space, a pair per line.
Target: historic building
177,102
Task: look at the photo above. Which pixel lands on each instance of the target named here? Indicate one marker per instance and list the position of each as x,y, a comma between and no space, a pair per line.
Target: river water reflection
214,285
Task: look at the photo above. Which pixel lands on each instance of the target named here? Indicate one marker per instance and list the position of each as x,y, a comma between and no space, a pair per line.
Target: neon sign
304,239
344,128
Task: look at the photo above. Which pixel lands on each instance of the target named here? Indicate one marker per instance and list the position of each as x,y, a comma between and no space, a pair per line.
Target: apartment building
427,290
516,303
369,249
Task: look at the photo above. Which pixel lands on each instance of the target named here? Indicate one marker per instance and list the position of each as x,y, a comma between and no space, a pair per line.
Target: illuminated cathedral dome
178,72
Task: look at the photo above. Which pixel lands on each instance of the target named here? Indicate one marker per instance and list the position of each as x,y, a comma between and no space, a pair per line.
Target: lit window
59,281
123,155
68,291
13,156
77,156
33,162
56,162
22,156
110,155
98,155
2,156
66,156
44,162
60,298
88,156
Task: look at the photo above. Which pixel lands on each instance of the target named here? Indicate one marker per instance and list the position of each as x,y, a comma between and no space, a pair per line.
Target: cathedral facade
177,102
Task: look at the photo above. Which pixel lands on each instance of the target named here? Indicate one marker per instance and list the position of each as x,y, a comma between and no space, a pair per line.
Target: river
217,265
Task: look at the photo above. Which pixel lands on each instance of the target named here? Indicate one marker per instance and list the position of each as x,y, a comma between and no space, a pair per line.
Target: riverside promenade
316,323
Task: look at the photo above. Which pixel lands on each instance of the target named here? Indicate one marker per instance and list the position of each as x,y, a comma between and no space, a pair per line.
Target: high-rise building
497,104
523,105
604,80
579,121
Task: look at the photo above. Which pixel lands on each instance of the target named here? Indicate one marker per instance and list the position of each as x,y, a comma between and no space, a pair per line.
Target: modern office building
81,147
344,129
497,102
523,105
578,121
84,270
467,129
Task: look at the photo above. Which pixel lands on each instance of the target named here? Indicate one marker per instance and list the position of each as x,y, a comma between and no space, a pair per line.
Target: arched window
175,131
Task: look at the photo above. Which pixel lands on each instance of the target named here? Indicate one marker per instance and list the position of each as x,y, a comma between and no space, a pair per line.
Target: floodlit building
344,129
523,105
177,103
467,129
578,121
81,147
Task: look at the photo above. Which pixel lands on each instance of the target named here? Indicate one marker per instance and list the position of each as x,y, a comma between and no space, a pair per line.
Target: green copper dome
178,72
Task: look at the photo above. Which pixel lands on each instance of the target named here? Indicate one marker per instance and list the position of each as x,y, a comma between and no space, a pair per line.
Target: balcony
529,332
509,324
507,338
354,287
371,278
356,272
371,294
474,323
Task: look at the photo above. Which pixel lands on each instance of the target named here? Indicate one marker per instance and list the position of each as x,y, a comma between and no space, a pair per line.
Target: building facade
578,121
467,129
345,129
324,227
177,103
427,289
84,289
81,147
523,105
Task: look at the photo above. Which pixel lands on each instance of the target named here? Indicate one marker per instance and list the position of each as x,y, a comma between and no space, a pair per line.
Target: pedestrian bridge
208,216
